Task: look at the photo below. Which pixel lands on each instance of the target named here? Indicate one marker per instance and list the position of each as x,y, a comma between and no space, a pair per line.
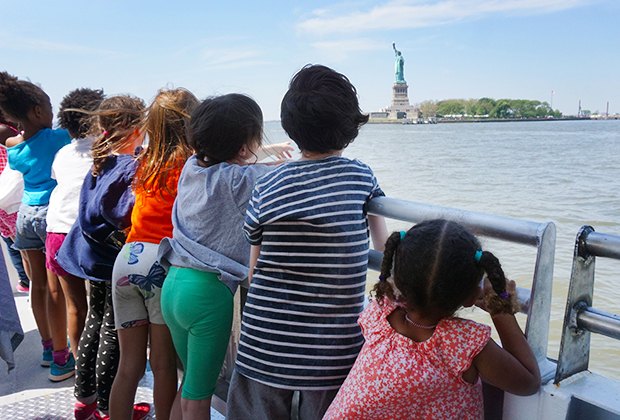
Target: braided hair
434,269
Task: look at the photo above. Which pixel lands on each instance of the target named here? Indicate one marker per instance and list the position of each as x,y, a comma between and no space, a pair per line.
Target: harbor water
567,172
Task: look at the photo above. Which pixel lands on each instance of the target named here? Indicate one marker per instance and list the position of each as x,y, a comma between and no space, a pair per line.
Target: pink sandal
141,411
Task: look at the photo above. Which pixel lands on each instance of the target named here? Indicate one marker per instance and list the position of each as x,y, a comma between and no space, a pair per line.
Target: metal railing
580,318
535,302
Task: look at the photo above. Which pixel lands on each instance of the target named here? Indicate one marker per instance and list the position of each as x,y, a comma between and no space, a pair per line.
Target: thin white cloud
232,58
406,14
344,46
42,45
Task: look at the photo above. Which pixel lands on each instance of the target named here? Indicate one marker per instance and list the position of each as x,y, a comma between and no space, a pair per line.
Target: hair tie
382,278
504,295
402,234
478,255
105,133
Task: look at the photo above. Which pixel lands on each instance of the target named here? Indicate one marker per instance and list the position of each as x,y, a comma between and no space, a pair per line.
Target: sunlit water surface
567,172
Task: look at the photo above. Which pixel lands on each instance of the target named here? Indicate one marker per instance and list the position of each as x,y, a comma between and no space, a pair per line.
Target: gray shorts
250,399
30,228
137,279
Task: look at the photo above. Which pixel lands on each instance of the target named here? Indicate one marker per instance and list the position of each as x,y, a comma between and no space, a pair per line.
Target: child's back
105,208
308,285
74,160
397,377
308,226
218,192
419,360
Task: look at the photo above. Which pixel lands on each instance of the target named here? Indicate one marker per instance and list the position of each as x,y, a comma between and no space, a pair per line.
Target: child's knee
163,362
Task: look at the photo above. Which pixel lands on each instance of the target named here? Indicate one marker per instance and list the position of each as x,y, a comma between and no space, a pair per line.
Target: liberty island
402,111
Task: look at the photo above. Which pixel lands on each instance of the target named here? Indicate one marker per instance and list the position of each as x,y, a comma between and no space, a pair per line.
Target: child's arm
512,368
378,231
254,253
281,151
14,141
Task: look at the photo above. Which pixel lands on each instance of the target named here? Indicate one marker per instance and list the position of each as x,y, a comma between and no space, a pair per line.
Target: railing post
575,345
539,312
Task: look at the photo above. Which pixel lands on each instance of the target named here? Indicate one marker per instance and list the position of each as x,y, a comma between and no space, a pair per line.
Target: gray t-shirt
207,219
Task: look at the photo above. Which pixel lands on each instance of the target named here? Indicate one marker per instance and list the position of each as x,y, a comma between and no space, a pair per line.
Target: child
308,227
137,277
8,214
70,166
419,361
32,153
92,244
207,254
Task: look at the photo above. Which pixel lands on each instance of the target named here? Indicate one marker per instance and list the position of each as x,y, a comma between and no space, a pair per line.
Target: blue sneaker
47,358
61,372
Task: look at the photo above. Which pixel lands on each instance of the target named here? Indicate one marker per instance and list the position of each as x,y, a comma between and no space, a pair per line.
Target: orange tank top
151,218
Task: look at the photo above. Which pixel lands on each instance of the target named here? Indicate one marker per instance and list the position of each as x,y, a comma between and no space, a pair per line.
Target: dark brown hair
320,111
435,269
18,97
77,123
222,125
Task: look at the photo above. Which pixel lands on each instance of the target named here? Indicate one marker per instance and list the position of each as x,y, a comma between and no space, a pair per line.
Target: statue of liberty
399,66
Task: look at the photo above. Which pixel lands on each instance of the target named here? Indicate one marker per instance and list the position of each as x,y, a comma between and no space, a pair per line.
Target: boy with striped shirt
308,226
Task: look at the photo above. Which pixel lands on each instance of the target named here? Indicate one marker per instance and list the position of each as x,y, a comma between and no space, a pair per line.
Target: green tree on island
489,108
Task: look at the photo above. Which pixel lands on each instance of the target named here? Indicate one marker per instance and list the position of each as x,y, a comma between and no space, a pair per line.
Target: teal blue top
34,158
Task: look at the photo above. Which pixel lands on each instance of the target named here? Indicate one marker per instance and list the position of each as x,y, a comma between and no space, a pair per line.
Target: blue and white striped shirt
299,328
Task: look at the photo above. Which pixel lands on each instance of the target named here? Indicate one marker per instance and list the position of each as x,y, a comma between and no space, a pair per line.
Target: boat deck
27,393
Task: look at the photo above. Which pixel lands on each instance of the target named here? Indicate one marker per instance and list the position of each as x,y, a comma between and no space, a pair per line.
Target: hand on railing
515,355
490,302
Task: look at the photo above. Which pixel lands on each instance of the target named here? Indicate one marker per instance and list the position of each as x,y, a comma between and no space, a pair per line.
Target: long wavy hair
166,126
117,118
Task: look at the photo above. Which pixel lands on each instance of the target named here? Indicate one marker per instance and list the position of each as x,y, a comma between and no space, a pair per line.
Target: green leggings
198,310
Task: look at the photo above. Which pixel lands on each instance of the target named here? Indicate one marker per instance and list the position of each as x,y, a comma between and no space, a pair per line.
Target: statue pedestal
400,97
401,108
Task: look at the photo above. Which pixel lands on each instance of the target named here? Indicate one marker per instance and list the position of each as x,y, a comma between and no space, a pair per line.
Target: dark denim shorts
30,228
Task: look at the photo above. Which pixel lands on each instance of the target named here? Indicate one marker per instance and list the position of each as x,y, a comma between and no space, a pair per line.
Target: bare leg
26,264
175,412
196,409
57,312
164,366
74,289
35,261
131,367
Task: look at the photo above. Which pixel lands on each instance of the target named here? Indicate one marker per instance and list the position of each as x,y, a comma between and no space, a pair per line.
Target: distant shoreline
485,120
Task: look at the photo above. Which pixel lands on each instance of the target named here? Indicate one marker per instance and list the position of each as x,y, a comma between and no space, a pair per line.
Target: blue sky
452,48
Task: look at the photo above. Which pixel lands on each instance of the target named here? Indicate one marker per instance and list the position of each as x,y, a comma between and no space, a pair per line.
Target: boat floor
27,393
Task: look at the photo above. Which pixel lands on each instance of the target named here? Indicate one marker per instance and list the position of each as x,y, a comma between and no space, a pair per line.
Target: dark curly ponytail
384,289
491,266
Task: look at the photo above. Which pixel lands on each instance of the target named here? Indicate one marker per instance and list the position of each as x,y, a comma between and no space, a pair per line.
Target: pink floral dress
395,377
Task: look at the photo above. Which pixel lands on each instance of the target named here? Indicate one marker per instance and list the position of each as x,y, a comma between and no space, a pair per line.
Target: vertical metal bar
575,345
539,312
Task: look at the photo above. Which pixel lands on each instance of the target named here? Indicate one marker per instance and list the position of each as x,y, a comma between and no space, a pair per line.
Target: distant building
379,115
